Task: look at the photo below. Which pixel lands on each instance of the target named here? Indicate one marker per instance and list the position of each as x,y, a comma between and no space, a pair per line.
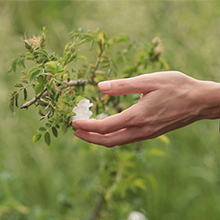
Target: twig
32,101
71,83
98,61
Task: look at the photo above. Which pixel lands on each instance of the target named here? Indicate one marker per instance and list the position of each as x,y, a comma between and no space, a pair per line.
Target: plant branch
98,61
60,87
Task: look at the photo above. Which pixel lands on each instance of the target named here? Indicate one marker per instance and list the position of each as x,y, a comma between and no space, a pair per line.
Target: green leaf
60,69
52,66
56,97
34,72
25,94
14,64
24,79
120,39
36,137
109,71
41,79
91,45
48,125
39,88
16,99
140,183
54,131
42,129
22,62
18,85
156,152
47,138
81,58
41,52
11,103
164,139
101,36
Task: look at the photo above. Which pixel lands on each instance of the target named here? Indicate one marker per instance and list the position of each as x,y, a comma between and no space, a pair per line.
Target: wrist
208,99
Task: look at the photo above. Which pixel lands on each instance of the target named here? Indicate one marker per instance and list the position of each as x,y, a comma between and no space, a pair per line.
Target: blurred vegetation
60,182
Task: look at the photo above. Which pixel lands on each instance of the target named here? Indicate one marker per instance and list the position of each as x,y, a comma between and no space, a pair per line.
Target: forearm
207,96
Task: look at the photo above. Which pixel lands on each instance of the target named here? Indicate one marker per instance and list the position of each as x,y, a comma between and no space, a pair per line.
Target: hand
169,100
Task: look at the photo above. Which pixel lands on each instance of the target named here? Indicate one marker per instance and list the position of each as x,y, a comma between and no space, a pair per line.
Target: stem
98,61
72,83
32,101
38,96
96,213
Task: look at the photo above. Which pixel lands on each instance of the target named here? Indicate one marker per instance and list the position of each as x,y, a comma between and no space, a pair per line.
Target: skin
168,101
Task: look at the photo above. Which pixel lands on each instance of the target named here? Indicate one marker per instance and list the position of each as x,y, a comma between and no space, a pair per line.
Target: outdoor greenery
57,86
169,178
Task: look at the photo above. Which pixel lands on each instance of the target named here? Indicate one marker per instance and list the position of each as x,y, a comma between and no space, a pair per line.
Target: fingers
112,123
129,135
139,84
123,136
107,140
120,137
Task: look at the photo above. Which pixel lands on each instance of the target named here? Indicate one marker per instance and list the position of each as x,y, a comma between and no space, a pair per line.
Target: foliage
59,82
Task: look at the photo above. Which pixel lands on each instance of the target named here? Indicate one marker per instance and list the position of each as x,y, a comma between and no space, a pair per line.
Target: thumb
139,84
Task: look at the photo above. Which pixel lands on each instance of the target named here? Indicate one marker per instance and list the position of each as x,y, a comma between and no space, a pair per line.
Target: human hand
169,100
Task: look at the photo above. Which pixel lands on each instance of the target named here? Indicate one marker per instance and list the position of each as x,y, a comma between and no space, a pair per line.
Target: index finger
139,84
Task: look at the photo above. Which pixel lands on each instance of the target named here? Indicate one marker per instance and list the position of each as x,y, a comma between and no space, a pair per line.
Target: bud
82,111
156,41
34,43
158,50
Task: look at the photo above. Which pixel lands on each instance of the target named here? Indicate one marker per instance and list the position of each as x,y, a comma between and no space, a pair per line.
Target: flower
102,116
82,111
136,216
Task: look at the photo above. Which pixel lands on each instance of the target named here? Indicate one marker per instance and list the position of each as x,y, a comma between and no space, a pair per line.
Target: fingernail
74,124
104,86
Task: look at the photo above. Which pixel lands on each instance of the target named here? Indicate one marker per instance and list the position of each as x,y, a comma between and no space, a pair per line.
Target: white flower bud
82,110
136,216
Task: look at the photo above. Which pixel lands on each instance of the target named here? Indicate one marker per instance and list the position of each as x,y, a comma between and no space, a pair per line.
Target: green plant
58,83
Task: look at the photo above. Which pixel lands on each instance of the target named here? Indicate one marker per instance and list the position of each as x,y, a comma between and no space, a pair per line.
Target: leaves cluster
56,83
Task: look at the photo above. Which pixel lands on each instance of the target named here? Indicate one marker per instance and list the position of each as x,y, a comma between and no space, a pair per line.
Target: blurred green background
41,182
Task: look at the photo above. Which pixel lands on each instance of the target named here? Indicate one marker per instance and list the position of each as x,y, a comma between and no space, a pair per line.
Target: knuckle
119,86
102,129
